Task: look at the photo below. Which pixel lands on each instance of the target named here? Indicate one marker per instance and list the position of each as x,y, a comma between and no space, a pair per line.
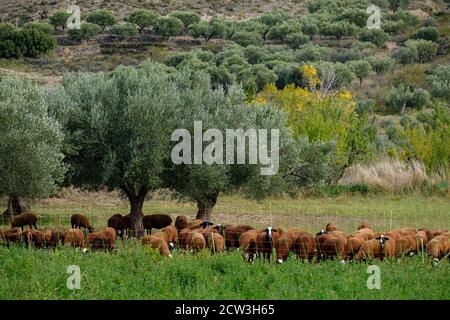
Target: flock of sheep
197,235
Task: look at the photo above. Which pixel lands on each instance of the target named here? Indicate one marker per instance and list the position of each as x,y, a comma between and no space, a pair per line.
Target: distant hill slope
19,11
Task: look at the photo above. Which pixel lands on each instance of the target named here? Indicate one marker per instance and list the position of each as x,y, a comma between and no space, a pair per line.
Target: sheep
80,221
207,232
53,237
364,225
164,236
232,235
331,227
421,240
247,242
438,247
103,239
265,241
157,243
380,247
33,238
181,222
11,235
24,219
183,237
172,233
305,246
285,243
117,223
356,240
216,242
434,233
73,237
156,221
331,244
196,241
405,245
196,224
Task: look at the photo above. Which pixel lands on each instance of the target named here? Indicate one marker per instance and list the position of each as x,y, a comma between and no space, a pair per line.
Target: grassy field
133,272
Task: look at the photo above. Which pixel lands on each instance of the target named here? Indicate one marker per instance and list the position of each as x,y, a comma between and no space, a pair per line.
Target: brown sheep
24,219
283,245
157,243
421,240
73,237
172,233
232,235
305,246
331,244
196,241
196,224
183,238
331,227
53,237
364,225
438,247
265,241
247,242
156,221
103,239
117,223
207,232
405,245
356,240
33,238
11,235
434,233
380,247
181,222
216,242
80,221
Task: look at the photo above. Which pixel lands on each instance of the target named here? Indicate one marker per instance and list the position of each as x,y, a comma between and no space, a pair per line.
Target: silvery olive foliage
31,158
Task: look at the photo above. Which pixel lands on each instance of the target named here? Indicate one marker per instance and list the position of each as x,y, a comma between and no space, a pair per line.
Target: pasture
134,272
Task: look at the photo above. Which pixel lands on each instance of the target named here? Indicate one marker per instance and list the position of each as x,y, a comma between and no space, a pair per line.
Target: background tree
118,129
30,148
203,183
103,18
59,20
87,31
126,29
247,38
168,26
361,68
187,17
143,18
439,81
394,5
208,30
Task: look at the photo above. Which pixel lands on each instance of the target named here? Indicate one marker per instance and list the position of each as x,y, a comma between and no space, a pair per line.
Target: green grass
133,272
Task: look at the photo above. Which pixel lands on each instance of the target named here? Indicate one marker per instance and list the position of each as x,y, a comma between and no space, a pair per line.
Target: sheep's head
219,228
206,224
249,257
91,229
382,239
321,232
270,232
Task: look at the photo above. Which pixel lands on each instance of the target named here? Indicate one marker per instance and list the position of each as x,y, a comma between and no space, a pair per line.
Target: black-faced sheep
104,239
156,221
117,223
24,219
380,247
265,241
80,221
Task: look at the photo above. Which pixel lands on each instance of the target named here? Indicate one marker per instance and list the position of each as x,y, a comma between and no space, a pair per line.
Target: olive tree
143,18
30,148
220,171
59,19
103,18
118,129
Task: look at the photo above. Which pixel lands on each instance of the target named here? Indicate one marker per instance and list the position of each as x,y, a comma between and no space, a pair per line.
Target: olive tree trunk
16,205
205,206
136,203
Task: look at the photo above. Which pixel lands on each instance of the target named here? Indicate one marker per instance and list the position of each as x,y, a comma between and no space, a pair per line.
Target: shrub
125,29
247,38
406,55
426,50
311,52
143,18
429,33
41,26
365,106
375,36
397,4
334,75
380,65
339,29
102,18
187,17
308,26
168,26
32,42
356,16
281,31
439,81
59,19
400,97
295,40
87,31
263,75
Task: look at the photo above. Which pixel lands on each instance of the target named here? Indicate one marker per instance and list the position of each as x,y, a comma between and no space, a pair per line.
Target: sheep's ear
386,238
274,230
378,238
